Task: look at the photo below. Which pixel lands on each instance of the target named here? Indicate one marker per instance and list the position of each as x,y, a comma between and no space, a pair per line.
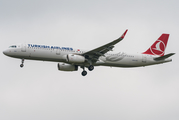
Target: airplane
70,59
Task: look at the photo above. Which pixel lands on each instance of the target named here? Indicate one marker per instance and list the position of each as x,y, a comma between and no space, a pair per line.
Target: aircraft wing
100,51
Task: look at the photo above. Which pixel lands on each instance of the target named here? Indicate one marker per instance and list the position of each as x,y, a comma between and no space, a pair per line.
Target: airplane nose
5,52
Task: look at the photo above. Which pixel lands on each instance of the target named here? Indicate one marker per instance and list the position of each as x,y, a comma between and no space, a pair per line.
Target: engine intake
67,67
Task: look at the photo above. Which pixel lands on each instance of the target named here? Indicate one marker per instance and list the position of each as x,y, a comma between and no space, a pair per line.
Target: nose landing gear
22,65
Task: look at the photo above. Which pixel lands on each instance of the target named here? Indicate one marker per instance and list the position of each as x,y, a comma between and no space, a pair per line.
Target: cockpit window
13,46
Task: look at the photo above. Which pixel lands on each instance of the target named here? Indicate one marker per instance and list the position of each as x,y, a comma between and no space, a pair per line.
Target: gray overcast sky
40,92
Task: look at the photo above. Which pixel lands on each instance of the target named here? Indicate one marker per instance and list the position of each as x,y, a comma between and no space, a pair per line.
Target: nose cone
5,52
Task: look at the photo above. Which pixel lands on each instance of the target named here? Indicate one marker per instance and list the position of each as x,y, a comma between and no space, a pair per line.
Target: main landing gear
91,67
22,65
84,72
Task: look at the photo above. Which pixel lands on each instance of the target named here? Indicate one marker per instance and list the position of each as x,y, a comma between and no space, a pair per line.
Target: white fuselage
58,54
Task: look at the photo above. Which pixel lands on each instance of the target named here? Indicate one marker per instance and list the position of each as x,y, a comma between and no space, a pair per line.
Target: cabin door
58,52
23,47
144,58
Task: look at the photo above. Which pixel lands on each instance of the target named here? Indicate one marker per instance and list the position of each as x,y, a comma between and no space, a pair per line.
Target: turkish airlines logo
158,48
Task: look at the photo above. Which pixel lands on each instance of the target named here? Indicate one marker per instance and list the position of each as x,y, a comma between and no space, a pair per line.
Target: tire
91,67
84,73
21,65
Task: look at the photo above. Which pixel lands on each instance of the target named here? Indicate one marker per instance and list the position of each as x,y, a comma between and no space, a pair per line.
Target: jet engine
67,67
75,58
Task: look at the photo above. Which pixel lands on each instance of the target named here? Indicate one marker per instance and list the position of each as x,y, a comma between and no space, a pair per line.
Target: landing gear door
23,47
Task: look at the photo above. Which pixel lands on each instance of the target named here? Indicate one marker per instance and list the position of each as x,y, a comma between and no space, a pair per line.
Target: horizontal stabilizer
164,57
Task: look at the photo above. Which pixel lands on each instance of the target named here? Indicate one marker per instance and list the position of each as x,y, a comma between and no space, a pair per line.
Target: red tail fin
158,48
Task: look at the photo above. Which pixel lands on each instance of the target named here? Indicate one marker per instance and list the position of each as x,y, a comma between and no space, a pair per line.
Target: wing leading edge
100,51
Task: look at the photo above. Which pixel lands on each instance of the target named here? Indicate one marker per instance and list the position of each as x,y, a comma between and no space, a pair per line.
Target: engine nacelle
75,58
67,67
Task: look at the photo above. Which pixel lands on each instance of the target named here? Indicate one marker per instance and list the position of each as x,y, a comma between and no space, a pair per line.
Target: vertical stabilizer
158,48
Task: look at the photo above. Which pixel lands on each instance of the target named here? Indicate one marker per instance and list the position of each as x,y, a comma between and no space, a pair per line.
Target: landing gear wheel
22,65
84,73
91,67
